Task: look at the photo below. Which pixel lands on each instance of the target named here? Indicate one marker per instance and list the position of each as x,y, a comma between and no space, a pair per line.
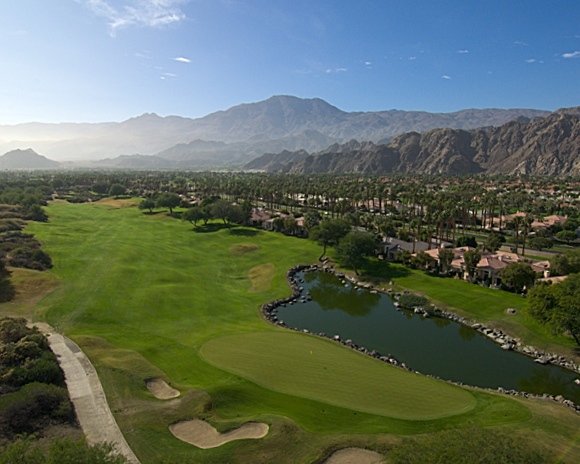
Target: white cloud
575,54
412,58
182,59
462,51
445,76
519,42
142,13
531,60
368,63
336,70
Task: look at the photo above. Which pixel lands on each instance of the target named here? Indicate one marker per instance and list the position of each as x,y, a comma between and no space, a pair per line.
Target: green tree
117,190
101,188
354,248
567,263
422,260
558,306
403,256
493,242
168,200
540,243
467,241
566,236
471,259
446,256
518,276
193,215
147,203
221,209
7,290
329,232
311,219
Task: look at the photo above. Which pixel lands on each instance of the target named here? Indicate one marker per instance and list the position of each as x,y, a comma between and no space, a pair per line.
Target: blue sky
109,60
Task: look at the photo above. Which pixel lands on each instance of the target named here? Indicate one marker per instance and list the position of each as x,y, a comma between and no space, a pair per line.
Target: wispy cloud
462,51
336,70
519,42
533,60
575,54
445,76
141,13
412,58
182,59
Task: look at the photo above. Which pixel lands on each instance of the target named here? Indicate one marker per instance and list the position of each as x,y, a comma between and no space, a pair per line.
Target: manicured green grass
142,294
315,369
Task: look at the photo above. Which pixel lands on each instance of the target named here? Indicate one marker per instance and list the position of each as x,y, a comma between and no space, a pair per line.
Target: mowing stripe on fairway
313,368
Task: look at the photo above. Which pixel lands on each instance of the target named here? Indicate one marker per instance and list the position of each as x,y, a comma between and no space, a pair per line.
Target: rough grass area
261,277
313,368
31,287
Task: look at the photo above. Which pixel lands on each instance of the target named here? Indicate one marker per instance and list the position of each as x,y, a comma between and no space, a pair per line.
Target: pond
432,346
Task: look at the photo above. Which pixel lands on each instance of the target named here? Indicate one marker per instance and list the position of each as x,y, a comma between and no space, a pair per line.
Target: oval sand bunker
161,390
201,434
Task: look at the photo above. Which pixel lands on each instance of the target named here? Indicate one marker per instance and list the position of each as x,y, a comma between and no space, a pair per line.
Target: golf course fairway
149,296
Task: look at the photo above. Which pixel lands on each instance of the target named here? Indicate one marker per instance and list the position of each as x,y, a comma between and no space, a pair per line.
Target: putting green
318,369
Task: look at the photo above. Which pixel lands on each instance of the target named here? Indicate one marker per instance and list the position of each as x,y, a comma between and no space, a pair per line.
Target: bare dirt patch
354,456
116,203
201,434
243,248
261,277
161,390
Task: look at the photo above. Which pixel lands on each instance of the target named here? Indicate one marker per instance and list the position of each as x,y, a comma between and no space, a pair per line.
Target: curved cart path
87,395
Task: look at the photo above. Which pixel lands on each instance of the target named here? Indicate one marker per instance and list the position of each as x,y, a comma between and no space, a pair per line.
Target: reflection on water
331,294
466,333
429,345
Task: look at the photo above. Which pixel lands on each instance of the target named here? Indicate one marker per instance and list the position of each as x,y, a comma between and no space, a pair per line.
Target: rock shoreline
270,313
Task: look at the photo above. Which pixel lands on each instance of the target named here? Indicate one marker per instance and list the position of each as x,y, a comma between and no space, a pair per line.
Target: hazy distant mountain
542,146
279,123
26,159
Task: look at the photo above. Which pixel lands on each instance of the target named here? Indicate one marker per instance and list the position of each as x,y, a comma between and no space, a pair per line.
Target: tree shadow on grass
385,270
243,232
210,227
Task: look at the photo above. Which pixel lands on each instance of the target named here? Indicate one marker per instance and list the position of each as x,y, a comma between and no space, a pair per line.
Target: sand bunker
161,390
201,434
354,456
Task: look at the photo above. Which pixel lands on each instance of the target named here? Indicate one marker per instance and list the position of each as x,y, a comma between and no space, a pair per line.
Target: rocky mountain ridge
540,146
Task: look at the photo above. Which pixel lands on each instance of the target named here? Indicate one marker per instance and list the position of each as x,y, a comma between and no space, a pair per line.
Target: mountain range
541,146
234,136
26,159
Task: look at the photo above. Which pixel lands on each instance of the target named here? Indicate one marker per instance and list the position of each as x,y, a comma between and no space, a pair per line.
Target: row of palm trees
433,208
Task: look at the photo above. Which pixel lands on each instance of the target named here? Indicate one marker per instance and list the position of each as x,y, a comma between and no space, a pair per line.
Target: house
549,221
490,264
259,217
390,245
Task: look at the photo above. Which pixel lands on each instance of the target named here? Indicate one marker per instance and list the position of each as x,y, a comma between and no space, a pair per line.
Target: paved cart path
87,395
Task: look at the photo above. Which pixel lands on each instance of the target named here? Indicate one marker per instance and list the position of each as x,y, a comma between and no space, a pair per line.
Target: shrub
30,408
412,301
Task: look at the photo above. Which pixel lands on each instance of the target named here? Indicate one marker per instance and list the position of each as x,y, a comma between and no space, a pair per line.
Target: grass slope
143,293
